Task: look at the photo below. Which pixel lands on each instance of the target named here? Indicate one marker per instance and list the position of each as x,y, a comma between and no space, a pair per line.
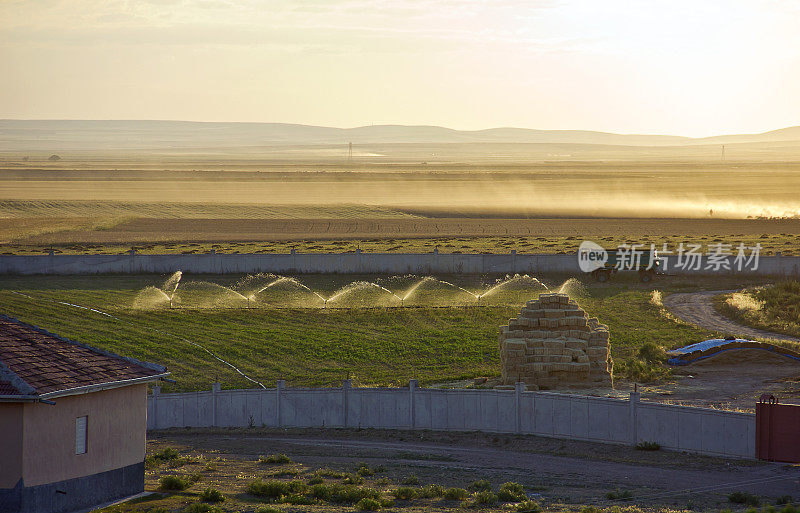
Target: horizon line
507,127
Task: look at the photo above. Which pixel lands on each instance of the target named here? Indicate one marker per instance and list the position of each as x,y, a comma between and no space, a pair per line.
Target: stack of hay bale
552,344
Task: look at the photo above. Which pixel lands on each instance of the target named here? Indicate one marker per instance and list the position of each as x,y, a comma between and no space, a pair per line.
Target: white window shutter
81,435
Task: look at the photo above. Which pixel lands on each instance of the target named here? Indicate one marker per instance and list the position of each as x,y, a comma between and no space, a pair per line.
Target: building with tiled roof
73,419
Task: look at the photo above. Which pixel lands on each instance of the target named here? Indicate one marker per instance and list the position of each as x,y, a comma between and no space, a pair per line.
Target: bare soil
735,379
558,471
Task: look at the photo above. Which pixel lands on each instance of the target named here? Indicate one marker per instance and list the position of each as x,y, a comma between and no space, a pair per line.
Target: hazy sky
696,67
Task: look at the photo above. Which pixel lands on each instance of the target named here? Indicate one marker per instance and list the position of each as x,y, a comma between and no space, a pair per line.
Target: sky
695,68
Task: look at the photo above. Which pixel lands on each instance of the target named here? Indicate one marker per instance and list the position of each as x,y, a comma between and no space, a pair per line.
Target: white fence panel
558,415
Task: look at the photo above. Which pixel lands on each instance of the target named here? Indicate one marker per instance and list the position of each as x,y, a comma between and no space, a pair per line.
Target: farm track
698,308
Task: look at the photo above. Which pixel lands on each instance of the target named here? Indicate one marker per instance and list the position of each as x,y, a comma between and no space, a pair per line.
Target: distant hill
76,135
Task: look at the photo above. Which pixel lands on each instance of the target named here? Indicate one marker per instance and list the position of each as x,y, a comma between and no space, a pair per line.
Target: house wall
116,428
10,444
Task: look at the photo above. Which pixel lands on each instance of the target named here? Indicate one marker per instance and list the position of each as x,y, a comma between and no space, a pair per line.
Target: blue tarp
702,346
677,355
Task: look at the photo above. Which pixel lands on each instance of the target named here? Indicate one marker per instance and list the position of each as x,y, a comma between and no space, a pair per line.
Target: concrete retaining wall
344,263
574,417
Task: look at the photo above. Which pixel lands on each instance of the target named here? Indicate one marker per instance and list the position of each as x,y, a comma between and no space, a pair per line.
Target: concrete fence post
413,384
346,386
519,387
154,398
634,417
216,388
280,385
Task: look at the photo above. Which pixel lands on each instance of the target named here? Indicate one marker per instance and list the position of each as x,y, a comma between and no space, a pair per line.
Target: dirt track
698,308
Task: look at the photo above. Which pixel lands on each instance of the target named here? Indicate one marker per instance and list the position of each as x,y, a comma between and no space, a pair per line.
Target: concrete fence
345,263
574,417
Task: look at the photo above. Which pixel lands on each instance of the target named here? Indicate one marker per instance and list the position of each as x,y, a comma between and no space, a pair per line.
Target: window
81,434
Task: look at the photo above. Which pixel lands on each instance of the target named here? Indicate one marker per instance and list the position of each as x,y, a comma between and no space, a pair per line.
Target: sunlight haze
679,67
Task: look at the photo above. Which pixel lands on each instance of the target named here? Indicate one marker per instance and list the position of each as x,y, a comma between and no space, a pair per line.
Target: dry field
579,189
250,206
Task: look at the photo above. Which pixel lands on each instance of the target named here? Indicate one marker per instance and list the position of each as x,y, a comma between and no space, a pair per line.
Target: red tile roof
35,362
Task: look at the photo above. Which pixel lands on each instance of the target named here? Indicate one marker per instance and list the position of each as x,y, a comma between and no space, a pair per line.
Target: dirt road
698,308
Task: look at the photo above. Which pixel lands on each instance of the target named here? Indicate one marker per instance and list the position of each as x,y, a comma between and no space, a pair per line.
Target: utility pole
350,151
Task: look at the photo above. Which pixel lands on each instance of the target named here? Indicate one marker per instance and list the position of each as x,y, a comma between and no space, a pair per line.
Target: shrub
363,470
740,497
431,491
343,494
316,480
267,488
289,472
528,507
652,353
511,492
410,481
636,369
167,453
366,504
455,494
619,495
199,507
273,489
483,498
783,499
404,493
326,472
595,509
274,459
382,481
268,509
480,486
648,446
174,483
353,479
296,499
211,495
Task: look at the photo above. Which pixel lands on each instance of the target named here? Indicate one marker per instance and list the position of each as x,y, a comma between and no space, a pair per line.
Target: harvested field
177,210
537,190
399,234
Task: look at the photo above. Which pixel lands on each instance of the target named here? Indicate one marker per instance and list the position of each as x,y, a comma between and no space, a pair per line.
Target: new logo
591,256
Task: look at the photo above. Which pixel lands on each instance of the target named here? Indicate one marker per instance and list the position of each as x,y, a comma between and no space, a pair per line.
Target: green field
318,347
